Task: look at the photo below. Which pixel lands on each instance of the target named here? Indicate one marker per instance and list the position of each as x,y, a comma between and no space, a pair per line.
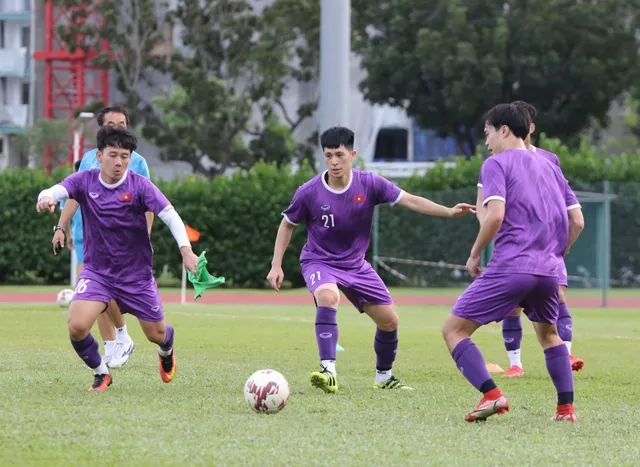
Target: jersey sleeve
297,211
570,198
385,192
141,167
494,181
75,185
151,198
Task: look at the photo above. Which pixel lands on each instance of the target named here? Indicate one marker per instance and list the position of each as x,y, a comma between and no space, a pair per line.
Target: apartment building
16,93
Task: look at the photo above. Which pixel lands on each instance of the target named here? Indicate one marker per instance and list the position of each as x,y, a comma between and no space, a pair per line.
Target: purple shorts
360,285
139,298
493,297
562,275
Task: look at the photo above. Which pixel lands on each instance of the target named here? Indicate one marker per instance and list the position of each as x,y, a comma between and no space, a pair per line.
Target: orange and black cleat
514,371
101,382
167,367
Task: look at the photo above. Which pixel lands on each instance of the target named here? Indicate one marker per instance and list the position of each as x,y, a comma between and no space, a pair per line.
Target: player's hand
462,209
58,239
189,259
275,277
473,266
46,203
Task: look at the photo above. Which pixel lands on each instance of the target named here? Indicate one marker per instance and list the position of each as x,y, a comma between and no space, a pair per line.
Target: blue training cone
339,348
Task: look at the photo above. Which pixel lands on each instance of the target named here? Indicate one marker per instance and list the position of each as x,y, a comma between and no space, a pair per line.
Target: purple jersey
116,239
533,236
571,199
339,222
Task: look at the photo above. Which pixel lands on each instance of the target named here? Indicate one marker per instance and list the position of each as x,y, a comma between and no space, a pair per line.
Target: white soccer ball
266,391
64,297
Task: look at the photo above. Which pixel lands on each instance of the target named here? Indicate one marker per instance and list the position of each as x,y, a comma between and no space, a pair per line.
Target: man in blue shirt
118,346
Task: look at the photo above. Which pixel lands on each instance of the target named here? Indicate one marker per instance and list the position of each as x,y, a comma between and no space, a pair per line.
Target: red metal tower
71,81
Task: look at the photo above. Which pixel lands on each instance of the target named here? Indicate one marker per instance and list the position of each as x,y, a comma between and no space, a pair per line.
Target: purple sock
565,324
88,350
385,344
326,332
559,368
512,332
168,340
470,362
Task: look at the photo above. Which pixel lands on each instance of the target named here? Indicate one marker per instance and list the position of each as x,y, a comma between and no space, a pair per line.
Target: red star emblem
358,199
125,197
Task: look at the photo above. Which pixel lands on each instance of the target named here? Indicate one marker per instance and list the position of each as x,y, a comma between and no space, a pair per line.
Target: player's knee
155,334
77,329
388,322
328,298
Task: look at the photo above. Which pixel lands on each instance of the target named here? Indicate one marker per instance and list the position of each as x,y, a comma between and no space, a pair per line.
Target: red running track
285,299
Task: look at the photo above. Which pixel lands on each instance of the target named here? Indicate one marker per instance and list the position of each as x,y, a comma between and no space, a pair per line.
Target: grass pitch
49,418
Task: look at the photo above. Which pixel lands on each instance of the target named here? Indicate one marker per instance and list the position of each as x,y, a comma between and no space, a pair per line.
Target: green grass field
49,418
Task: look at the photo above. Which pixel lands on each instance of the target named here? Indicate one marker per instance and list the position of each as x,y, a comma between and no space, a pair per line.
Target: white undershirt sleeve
57,192
172,219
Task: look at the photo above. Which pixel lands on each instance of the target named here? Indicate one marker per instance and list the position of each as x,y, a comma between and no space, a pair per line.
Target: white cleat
122,353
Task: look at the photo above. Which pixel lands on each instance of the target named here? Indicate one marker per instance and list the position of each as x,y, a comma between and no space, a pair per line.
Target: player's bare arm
488,230
481,211
68,211
283,238
576,225
149,215
429,208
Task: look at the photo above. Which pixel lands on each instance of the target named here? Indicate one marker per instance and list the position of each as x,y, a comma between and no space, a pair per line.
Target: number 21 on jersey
328,220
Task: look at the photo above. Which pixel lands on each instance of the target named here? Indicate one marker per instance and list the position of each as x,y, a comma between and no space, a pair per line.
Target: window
26,37
3,90
392,145
1,34
25,93
1,146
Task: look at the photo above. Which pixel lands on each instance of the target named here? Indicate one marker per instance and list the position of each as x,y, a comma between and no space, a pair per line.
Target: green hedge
239,216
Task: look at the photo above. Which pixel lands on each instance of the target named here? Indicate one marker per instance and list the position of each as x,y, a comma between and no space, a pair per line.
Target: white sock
514,358
164,353
109,347
568,344
329,365
101,370
382,376
121,334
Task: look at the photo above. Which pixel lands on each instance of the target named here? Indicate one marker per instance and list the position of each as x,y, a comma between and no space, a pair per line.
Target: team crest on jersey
125,197
358,199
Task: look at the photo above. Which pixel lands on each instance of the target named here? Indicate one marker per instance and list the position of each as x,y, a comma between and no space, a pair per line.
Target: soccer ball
266,391
64,297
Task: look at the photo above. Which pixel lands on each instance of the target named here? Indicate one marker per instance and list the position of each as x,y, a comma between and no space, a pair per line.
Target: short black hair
118,109
334,137
76,165
528,107
511,115
116,137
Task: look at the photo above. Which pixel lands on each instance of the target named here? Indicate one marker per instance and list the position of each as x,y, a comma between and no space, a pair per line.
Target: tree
226,86
54,134
447,62
134,30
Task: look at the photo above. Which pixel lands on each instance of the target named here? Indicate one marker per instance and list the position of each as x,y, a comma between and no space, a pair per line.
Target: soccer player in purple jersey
526,212
512,325
118,256
337,206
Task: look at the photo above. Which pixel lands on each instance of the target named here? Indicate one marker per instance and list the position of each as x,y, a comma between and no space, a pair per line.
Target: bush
238,218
